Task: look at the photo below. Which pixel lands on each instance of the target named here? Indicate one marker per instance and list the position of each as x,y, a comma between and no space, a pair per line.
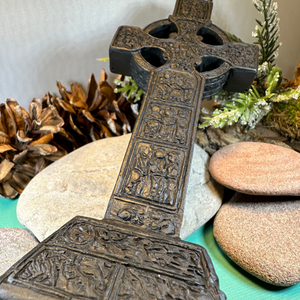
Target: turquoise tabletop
8,216
234,281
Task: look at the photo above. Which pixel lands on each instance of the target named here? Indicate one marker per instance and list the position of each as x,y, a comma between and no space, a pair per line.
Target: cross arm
129,53
244,61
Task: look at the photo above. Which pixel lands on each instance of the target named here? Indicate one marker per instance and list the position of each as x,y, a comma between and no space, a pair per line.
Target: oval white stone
81,183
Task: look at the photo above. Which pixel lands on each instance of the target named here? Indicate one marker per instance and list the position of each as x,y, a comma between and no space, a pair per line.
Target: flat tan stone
257,169
82,182
14,244
262,235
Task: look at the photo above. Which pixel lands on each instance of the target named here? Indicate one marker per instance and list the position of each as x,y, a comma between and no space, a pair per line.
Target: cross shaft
178,61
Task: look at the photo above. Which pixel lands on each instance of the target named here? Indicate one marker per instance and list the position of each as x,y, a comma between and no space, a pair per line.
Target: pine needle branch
267,31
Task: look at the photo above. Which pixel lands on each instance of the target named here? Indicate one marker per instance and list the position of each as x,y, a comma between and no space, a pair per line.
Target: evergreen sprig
267,31
267,35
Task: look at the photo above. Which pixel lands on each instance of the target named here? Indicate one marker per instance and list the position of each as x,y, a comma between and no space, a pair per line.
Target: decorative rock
257,169
14,244
262,235
212,139
81,183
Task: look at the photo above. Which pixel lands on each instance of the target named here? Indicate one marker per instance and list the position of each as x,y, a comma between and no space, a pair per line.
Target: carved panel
175,87
149,218
68,272
153,174
243,55
200,9
140,285
166,124
238,55
181,54
208,50
124,246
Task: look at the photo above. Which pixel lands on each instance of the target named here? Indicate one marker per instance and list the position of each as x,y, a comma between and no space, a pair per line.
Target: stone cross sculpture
135,251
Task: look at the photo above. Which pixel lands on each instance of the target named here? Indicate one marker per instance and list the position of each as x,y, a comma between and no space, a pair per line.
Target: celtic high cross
135,252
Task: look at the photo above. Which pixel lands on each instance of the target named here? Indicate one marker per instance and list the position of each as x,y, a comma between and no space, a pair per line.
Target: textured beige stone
212,139
257,169
81,183
262,235
14,244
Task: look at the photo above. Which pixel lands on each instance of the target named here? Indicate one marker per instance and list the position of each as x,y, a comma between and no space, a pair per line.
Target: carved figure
182,126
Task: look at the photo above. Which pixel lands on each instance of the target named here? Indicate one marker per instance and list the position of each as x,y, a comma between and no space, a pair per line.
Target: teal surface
8,216
234,281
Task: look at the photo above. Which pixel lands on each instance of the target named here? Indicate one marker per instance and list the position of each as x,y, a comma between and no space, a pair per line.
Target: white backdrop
42,41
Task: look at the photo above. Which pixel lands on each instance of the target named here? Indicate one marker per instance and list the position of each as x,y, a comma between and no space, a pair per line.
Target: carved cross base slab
94,259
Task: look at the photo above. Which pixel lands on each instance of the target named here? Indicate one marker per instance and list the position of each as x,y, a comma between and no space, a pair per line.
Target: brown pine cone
89,117
25,147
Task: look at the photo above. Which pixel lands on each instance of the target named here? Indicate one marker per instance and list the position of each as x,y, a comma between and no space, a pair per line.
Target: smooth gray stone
81,183
14,244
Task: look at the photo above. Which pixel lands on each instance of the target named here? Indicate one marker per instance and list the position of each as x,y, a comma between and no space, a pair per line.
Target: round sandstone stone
257,169
262,235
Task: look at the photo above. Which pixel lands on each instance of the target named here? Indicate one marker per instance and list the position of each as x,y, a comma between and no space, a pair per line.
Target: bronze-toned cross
135,251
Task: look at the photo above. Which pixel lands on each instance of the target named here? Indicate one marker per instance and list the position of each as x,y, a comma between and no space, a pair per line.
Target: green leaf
233,37
129,88
259,22
103,59
138,95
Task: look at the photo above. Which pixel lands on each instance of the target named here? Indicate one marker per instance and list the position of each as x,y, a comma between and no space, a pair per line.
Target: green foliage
233,37
273,80
267,35
291,110
286,95
267,31
129,88
249,108
285,116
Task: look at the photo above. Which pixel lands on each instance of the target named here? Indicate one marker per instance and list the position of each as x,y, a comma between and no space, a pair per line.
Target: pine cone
55,126
92,116
25,147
